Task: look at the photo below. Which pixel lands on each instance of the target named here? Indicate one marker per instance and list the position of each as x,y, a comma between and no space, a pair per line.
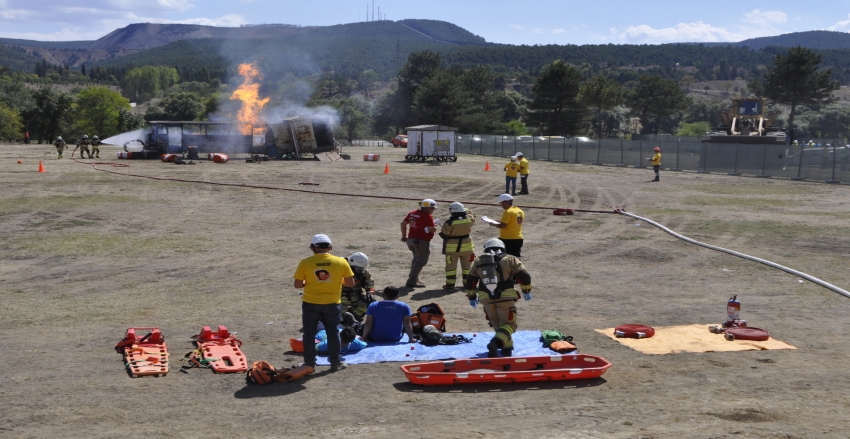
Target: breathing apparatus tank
489,272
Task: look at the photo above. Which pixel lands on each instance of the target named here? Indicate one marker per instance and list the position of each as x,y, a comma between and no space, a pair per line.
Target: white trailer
430,142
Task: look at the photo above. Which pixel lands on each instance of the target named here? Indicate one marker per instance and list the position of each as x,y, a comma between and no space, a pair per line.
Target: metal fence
801,162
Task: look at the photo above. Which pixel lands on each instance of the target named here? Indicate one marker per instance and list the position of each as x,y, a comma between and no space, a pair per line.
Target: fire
249,94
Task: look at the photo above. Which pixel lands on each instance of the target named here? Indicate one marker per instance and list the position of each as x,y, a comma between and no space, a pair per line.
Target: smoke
285,68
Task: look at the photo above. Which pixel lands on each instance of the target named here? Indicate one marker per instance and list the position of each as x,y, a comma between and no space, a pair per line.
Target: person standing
418,240
656,163
84,147
387,320
523,173
457,245
60,145
322,277
511,171
95,147
26,137
510,225
491,282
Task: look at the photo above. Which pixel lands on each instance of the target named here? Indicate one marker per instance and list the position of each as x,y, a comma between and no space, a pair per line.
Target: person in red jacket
421,227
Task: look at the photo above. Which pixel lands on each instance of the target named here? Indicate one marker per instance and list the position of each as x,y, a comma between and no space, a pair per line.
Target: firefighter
491,282
356,299
457,245
95,147
60,145
84,147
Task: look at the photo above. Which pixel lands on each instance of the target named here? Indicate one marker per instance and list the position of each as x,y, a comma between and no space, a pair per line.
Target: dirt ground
87,254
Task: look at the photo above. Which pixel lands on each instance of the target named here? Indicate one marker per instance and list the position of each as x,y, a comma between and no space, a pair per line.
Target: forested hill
442,31
815,39
46,44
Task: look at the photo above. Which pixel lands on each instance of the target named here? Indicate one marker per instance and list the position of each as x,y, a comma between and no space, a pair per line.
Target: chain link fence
797,162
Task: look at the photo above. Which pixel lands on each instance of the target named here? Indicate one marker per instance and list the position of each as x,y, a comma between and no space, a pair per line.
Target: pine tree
794,80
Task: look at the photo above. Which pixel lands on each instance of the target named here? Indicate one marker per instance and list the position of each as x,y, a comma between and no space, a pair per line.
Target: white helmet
513,158
59,138
358,260
494,243
428,203
505,197
456,207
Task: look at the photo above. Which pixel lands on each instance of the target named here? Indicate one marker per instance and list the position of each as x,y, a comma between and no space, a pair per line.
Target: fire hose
556,211
741,255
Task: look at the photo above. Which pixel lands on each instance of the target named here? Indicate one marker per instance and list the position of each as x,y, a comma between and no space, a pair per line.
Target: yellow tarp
692,338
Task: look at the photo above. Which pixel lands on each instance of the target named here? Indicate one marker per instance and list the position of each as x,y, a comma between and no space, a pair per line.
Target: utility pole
373,10
367,12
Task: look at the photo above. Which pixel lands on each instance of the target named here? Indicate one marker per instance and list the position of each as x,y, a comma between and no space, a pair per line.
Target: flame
249,94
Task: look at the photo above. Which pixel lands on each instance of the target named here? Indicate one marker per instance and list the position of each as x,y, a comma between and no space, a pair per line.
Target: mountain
150,35
45,44
815,39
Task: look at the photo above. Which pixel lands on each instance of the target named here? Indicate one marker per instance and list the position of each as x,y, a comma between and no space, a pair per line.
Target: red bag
430,314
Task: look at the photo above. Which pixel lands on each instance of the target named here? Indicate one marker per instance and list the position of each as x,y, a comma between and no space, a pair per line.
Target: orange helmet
657,149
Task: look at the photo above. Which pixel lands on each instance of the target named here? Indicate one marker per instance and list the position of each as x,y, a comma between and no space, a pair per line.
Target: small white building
431,141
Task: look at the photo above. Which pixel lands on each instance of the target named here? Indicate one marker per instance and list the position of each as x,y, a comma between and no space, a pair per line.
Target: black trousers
523,180
513,247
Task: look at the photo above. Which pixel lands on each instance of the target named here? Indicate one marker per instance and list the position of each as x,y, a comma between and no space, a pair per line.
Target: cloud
517,27
841,25
756,23
558,31
689,32
763,18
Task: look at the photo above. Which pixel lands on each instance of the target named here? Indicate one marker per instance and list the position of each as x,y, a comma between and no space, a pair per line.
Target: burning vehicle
293,138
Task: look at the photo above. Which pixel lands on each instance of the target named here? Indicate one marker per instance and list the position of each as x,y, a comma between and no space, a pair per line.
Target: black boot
492,349
506,352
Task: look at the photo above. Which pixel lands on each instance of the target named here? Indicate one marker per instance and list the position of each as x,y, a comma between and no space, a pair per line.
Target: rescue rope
741,255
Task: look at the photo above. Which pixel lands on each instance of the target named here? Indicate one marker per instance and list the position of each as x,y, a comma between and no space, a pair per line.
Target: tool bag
430,314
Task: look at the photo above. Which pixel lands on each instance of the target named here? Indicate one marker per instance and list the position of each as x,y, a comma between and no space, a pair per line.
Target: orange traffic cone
40,166
487,165
387,168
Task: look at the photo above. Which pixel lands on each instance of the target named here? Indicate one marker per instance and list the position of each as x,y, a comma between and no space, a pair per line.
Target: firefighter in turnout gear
95,147
356,299
84,147
60,145
457,245
491,281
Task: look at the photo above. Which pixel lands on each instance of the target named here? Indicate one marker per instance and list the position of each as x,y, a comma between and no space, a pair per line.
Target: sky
516,22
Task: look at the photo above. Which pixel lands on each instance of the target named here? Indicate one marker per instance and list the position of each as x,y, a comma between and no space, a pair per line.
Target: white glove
473,303
526,296
437,222
427,230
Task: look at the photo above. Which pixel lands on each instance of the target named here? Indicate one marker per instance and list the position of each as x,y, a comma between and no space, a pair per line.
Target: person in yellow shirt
656,163
523,173
322,277
511,170
510,225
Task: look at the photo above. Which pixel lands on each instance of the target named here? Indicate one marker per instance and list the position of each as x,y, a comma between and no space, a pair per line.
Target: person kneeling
388,320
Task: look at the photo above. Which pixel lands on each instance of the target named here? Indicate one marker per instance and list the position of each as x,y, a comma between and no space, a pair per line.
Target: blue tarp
526,343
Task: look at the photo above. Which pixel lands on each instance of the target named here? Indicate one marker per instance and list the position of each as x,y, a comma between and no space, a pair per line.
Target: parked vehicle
399,141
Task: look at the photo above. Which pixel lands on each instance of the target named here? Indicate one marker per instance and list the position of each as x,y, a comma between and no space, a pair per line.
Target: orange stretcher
221,350
506,370
146,354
